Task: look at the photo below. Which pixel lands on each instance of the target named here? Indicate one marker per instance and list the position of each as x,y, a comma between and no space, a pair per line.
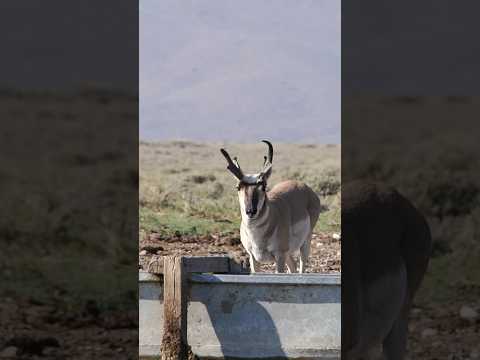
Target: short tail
314,208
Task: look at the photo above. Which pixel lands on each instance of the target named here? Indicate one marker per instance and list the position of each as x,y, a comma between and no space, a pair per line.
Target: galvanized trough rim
269,279
259,278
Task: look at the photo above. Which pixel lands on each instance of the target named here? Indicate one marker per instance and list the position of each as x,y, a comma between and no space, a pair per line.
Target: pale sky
229,70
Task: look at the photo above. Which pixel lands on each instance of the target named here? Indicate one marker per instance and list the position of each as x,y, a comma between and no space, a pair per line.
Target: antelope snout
251,211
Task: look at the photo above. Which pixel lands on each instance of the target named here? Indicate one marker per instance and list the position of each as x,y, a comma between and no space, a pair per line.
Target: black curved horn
234,169
270,150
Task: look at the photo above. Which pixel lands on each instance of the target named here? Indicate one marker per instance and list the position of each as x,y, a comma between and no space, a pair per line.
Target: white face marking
241,200
245,193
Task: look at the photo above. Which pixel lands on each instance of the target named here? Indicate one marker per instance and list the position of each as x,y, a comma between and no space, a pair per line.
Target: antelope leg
395,345
254,265
280,263
291,264
304,254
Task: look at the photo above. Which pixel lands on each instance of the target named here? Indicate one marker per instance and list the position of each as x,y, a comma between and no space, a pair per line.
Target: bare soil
324,254
33,330
437,331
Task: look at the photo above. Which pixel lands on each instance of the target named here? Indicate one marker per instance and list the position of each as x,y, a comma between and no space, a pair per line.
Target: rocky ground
446,331
325,250
35,330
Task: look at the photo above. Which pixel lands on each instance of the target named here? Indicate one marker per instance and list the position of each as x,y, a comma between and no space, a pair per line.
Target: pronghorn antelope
276,224
385,252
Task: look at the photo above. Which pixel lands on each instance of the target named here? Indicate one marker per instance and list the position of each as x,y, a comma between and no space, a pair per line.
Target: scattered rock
153,236
232,241
152,249
429,332
336,236
32,346
325,251
9,352
143,252
468,313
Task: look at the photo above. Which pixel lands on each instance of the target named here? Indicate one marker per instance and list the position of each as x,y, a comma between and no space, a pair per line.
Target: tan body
385,252
283,227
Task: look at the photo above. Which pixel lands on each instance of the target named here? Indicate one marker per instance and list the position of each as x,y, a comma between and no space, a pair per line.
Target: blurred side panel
409,127
69,179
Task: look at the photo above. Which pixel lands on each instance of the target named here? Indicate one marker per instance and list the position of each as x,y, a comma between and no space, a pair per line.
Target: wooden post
174,342
175,270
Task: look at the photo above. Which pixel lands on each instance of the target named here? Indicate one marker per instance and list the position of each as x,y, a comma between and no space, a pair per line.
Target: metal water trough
249,316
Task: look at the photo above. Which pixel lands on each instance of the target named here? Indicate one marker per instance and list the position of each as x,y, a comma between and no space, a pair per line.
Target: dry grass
185,187
51,149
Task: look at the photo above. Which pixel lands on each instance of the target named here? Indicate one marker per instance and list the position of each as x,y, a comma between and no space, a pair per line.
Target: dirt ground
324,255
439,331
35,330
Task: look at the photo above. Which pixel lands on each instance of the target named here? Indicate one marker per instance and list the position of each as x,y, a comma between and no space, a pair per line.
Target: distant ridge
219,71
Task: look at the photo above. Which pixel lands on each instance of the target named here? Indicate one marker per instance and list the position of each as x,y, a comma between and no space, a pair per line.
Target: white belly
299,234
263,249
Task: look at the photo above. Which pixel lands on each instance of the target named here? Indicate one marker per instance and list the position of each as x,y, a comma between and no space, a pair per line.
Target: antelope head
251,187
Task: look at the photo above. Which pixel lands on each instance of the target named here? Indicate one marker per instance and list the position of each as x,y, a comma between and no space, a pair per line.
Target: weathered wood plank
174,342
200,264
206,264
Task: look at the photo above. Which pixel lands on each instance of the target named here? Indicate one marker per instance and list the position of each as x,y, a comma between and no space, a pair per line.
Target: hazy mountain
240,70
411,47
61,45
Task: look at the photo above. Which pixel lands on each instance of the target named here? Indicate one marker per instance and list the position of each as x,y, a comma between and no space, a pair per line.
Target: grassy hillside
50,151
186,189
